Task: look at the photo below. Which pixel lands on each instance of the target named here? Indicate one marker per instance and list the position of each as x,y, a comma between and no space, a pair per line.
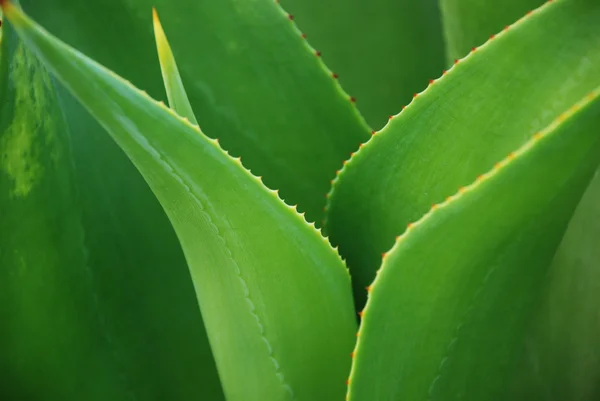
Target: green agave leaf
469,23
83,316
178,99
567,325
274,295
512,85
561,353
382,50
242,63
448,310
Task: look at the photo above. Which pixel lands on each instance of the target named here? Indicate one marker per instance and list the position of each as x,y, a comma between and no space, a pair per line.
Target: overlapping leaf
560,356
461,125
449,308
82,317
253,81
275,296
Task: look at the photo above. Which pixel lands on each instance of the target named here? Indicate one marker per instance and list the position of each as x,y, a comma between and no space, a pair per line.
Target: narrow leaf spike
178,99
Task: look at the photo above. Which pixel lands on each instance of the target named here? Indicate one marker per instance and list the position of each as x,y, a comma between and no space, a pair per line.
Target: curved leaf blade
433,147
254,310
240,61
567,327
448,311
69,298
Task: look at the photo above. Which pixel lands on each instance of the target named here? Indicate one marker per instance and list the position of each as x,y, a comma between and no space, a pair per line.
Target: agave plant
142,259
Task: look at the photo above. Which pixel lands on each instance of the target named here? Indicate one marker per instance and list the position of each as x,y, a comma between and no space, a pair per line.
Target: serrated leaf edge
497,169
13,12
418,96
323,65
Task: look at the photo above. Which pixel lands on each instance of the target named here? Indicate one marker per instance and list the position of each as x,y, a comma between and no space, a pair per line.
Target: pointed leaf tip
176,93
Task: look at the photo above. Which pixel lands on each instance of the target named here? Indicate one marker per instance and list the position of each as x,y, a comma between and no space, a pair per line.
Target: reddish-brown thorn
431,81
352,354
303,36
361,313
373,132
444,72
335,76
290,17
506,28
361,145
456,61
391,117
492,37
318,53
474,49
337,172
352,99
403,107
415,95
348,382
410,225
383,255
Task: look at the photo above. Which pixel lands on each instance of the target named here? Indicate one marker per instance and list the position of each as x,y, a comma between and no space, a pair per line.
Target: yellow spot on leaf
32,127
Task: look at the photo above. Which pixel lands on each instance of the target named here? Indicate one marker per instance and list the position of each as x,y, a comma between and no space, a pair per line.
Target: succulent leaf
566,327
435,146
274,295
454,298
85,316
239,60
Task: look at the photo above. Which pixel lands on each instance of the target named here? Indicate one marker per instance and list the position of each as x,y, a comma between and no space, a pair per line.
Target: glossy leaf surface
560,356
449,309
274,295
466,121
